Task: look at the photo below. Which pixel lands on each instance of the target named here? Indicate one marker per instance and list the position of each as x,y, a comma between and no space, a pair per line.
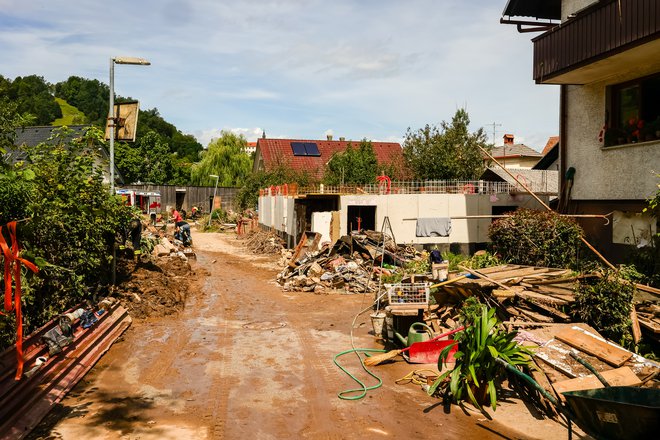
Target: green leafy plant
604,302
453,259
482,260
536,238
476,374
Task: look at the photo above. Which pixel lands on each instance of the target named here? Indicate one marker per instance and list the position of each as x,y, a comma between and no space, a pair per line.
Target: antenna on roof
495,125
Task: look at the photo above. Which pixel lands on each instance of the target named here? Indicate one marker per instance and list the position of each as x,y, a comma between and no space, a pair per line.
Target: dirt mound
154,288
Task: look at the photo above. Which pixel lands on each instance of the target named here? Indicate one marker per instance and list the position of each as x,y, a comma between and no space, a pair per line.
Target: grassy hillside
70,114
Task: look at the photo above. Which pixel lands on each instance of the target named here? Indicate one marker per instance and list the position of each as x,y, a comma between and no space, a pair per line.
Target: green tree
447,152
10,119
147,160
31,95
90,96
185,146
353,165
226,158
248,195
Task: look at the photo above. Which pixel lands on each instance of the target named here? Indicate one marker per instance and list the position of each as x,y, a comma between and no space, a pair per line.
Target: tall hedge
536,238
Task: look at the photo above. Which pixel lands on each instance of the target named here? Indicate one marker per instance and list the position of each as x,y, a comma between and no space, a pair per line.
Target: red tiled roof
278,151
552,140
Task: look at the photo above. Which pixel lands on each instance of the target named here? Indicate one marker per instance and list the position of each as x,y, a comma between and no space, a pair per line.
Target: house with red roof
313,155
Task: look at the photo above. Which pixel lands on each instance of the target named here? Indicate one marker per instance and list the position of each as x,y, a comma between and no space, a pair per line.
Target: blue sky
294,68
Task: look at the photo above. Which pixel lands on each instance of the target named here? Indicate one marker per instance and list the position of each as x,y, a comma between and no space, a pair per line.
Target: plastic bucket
378,324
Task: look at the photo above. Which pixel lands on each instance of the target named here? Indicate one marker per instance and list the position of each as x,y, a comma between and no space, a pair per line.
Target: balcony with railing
599,41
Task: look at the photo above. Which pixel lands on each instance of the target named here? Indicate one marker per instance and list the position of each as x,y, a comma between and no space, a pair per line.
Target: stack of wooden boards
536,294
617,365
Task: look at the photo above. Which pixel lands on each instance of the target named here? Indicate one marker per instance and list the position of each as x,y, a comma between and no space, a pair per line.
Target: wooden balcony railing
596,33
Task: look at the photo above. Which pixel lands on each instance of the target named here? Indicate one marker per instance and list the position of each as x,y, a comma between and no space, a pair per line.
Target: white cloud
368,69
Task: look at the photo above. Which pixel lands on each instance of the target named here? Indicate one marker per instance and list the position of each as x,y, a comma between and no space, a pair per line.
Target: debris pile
352,264
263,242
525,293
154,281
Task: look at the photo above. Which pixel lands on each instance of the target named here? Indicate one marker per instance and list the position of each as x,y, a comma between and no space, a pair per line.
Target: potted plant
476,375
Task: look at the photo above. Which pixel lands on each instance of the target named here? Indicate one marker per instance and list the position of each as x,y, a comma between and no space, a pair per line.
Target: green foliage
647,259
149,160
476,374
90,96
604,303
420,266
353,166
70,114
32,95
482,260
536,238
9,120
453,259
225,157
447,152
248,195
184,146
72,227
470,310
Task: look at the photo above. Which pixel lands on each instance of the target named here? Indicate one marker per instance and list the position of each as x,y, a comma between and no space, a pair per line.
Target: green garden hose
349,394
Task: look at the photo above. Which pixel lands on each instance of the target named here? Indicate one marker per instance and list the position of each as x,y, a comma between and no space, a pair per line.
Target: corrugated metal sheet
24,403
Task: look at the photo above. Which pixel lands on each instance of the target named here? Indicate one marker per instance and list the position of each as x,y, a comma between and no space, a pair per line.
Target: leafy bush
605,303
482,260
72,227
536,238
248,195
453,259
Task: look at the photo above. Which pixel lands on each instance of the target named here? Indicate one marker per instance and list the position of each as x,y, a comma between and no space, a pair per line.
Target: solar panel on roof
298,148
312,149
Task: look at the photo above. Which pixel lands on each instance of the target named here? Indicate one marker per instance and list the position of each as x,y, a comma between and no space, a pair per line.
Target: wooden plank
534,316
554,281
546,308
636,331
623,376
504,267
518,273
604,351
297,250
529,294
554,290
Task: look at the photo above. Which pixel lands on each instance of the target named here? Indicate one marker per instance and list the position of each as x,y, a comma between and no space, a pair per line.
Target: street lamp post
214,192
111,112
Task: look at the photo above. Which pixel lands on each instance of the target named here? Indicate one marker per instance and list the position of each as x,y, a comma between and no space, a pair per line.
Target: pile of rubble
263,242
525,294
351,265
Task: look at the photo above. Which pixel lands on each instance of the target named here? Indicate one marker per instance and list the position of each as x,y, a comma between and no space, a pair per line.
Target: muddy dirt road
245,360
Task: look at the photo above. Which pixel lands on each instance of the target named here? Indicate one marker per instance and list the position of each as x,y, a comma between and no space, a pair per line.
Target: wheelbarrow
621,412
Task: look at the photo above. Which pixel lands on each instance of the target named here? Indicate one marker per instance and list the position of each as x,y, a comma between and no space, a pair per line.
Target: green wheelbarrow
621,412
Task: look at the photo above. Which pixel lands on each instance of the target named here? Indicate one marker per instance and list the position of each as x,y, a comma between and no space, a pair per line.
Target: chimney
329,136
342,139
263,134
508,139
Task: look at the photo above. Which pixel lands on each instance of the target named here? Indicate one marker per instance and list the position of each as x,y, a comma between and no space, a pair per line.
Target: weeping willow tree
225,157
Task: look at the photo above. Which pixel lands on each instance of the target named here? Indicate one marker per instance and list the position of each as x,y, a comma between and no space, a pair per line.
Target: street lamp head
131,60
